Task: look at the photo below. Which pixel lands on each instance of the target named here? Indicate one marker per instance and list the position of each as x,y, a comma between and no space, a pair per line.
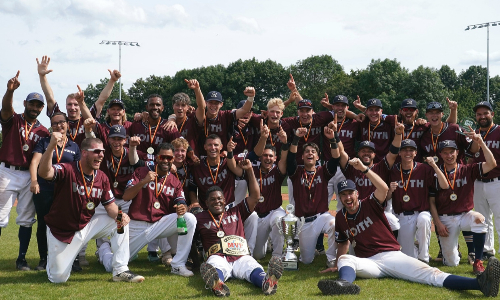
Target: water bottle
181,225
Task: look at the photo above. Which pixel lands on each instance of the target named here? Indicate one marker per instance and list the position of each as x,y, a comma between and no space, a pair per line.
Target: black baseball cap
305,103
118,131
374,102
434,105
367,144
447,144
408,143
35,96
340,99
409,103
214,95
345,185
483,104
240,104
116,101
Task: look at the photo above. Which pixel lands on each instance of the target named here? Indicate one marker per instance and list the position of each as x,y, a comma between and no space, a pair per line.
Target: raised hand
89,124
150,177
430,160
192,84
300,132
328,132
114,75
326,102
231,145
452,104
80,95
134,141
294,96
264,130
421,121
399,128
357,103
282,136
357,164
393,186
245,164
291,84
190,110
13,83
333,124
56,137
249,91
43,66
169,125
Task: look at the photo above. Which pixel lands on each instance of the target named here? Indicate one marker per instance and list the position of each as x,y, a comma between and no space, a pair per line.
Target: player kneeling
223,238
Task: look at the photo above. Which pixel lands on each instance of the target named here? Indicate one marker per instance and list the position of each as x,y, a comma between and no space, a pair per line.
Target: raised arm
45,169
47,90
231,162
200,100
8,98
253,186
490,162
284,151
443,182
106,92
247,107
132,191
291,162
453,105
293,89
80,98
391,156
133,157
261,144
380,185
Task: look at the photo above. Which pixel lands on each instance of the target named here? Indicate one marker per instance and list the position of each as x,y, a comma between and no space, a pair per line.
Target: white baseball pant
15,184
419,225
486,203
308,236
393,264
61,255
332,185
456,224
241,268
267,227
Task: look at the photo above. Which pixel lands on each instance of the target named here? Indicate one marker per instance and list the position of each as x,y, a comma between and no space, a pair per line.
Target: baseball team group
94,175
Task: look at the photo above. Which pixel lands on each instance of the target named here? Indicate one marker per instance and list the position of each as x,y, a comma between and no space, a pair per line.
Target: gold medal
220,234
453,197
25,147
476,154
406,198
261,199
353,243
436,159
156,205
150,150
90,206
115,184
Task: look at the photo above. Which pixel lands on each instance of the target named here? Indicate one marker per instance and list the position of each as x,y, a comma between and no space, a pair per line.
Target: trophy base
290,265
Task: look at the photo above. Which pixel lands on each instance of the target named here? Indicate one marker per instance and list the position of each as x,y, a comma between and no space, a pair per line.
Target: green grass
95,283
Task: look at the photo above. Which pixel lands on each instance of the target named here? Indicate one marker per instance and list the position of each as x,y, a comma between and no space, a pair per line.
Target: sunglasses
408,109
167,157
60,123
96,151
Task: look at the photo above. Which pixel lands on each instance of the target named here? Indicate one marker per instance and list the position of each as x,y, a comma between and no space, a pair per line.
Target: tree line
384,79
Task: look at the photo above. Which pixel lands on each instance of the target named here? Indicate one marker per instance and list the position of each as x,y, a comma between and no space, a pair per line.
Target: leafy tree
141,89
448,77
92,94
475,79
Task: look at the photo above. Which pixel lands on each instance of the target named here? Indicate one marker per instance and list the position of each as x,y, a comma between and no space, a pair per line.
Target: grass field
95,283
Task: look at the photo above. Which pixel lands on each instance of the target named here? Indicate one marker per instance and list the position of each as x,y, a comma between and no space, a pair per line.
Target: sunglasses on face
167,157
408,109
96,151
60,123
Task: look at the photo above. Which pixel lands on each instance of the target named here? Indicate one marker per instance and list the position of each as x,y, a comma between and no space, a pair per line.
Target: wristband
285,147
398,133
366,171
393,149
334,145
295,141
229,155
250,99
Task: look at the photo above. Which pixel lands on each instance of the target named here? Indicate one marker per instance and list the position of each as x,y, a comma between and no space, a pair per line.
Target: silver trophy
466,124
290,226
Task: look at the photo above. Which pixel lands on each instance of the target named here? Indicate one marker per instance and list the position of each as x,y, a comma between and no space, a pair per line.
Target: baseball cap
345,185
214,95
434,105
409,103
240,104
447,144
374,102
408,143
340,99
367,144
116,101
35,96
305,103
117,130
483,104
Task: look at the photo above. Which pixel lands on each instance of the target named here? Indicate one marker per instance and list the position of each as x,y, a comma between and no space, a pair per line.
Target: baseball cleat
338,287
22,265
331,263
42,265
183,271
478,267
490,279
212,280
471,257
274,272
76,266
153,256
128,277
166,258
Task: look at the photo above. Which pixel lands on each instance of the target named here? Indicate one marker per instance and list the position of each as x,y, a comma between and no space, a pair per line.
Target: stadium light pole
119,43
487,25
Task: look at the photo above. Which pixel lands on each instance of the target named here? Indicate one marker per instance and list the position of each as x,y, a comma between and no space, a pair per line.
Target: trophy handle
278,224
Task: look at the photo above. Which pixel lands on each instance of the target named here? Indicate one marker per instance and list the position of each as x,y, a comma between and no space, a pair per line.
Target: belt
16,167
489,180
449,215
263,215
408,213
310,219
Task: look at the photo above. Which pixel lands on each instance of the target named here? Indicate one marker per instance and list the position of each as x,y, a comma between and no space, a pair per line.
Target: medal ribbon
58,157
434,145
210,170
87,191
405,186
345,216
185,175
243,137
454,176
308,132
215,222
113,163
408,136
369,127
26,130
310,182
271,135
157,193
73,137
488,131
152,136
343,120
182,126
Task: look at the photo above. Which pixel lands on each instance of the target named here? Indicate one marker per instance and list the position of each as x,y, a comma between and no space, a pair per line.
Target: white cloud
170,15
78,56
473,57
244,24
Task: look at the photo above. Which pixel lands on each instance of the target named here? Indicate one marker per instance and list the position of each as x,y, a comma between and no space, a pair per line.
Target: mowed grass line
95,283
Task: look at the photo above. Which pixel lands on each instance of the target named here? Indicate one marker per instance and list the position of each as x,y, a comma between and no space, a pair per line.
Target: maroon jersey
231,223
183,175
162,136
368,227
190,130
146,205
463,188
76,130
14,138
102,132
414,132
117,171
419,188
448,133
492,140
363,183
270,188
203,176
220,125
348,131
311,196
273,138
247,137
72,209
314,132
380,134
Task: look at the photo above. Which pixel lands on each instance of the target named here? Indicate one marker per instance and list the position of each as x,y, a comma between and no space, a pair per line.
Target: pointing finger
291,77
17,75
186,81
